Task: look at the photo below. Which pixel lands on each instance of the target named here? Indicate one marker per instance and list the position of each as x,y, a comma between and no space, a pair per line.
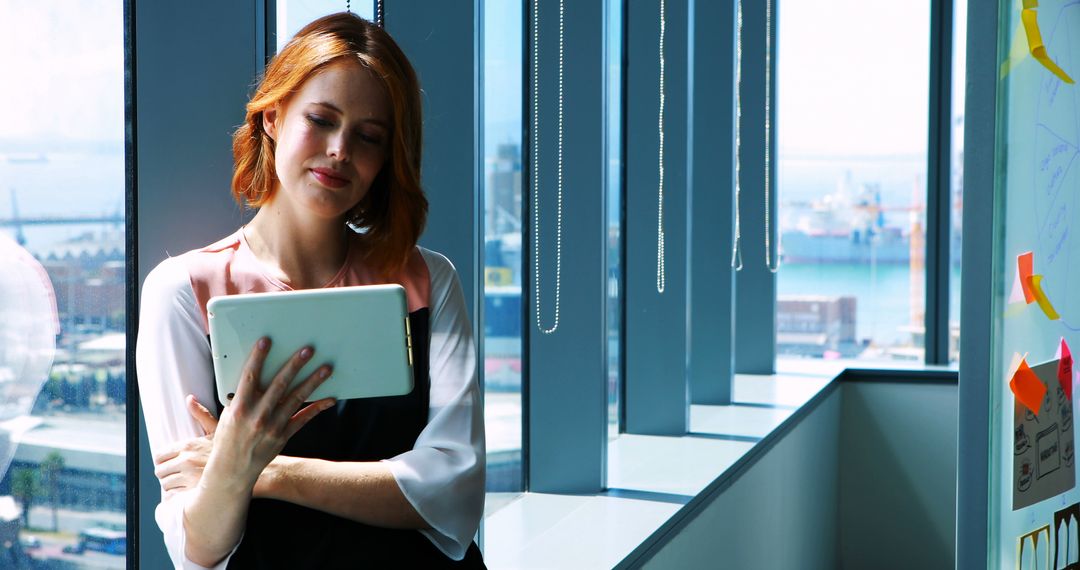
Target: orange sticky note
1027,388
1035,284
1065,369
1035,44
1025,262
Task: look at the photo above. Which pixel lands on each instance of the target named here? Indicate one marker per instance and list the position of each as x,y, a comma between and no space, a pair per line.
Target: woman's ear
269,121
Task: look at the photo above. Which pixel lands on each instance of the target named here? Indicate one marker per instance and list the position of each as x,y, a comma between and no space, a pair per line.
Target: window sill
651,479
655,481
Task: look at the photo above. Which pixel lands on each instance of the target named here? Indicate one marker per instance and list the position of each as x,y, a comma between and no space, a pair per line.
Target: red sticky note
1025,262
1027,388
1065,369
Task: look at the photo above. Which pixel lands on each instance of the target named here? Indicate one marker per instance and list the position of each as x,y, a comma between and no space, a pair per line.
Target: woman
329,153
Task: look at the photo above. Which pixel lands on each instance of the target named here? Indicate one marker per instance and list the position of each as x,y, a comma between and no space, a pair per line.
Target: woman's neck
303,253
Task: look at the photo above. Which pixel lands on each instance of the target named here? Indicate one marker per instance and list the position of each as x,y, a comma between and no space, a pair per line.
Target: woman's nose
338,149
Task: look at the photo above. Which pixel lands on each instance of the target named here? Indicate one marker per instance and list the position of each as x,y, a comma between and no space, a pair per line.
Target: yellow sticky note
1040,297
1035,44
1031,4
1018,52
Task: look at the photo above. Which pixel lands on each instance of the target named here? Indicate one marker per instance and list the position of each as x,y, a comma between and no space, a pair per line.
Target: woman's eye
318,121
370,139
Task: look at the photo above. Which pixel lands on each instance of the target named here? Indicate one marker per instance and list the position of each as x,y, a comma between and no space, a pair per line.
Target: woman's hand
254,428
180,467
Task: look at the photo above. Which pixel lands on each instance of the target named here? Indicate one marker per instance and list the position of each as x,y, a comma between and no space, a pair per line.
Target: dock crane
20,238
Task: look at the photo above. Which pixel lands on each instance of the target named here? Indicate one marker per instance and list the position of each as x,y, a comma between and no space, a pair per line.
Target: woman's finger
206,420
194,460
168,454
176,482
251,374
296,398
283,379
301,418
166,469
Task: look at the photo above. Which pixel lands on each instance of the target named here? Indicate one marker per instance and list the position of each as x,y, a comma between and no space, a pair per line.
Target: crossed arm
238,459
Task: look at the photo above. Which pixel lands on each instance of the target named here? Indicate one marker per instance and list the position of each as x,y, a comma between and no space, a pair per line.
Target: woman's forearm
214,518
361,491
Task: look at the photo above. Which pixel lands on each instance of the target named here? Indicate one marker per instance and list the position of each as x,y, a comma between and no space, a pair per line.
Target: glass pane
959,71
614,205
292,15
502,245
852,178
62,277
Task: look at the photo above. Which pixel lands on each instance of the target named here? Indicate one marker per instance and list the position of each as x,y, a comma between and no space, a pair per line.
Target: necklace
661,274
536,170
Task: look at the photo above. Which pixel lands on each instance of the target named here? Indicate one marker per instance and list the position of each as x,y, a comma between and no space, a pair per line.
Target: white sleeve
443,475
172,360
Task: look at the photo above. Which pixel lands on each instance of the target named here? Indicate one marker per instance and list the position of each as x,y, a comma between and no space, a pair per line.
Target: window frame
567,397
671,356
655,325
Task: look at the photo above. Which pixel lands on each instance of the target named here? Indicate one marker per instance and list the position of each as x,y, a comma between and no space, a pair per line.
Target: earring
354,220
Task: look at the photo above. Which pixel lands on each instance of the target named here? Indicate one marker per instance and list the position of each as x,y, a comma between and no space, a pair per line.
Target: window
614,210
851,133
502,195
62,287
959,68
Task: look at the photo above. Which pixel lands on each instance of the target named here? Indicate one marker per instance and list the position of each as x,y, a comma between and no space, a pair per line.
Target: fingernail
324,372
328,405
264,343
306,353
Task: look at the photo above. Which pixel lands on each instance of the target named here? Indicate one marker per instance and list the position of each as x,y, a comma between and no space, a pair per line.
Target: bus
103,539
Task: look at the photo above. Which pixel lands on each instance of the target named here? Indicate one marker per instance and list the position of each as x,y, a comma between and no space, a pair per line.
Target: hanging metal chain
736,246
768,125
379,14
348,6
536,170
661,273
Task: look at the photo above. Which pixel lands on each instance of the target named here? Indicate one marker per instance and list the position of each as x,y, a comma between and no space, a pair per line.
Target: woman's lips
327,179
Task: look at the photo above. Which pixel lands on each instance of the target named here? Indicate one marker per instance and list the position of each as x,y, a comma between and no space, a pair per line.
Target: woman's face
331,140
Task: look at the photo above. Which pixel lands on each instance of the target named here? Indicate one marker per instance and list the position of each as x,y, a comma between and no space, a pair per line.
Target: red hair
394,210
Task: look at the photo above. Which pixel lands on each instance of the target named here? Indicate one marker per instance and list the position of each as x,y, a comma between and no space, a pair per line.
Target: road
72,521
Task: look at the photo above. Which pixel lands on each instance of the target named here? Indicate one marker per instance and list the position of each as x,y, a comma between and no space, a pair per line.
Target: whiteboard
1038,188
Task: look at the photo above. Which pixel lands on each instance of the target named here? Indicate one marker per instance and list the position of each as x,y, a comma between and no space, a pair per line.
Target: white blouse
442,476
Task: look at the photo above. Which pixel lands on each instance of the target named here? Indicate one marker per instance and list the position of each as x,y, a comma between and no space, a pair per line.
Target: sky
63,69
853,76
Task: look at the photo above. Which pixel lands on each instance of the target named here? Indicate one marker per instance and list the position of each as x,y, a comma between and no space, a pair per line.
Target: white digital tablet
362,331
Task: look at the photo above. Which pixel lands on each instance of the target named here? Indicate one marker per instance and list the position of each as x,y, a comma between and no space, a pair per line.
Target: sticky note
1031,3
1018,51
1065,369
1027,388
1035,44
1015,364
1035,284
1025,262
1016,295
